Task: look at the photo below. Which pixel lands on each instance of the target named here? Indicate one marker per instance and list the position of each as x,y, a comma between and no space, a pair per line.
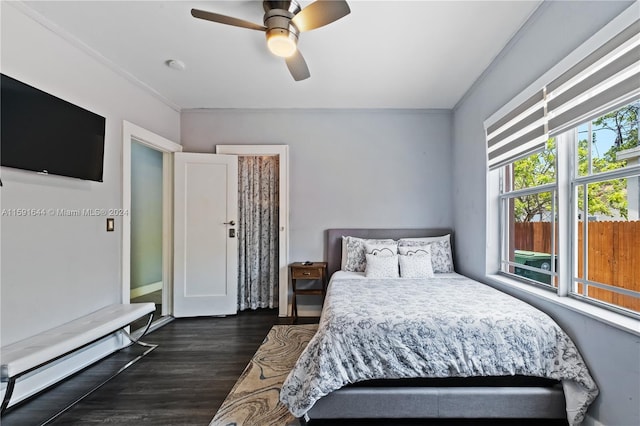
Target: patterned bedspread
441,327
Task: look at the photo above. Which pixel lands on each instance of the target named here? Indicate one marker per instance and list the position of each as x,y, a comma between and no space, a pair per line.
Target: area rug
254,399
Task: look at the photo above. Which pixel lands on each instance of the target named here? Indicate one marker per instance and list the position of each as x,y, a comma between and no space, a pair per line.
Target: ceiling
385,54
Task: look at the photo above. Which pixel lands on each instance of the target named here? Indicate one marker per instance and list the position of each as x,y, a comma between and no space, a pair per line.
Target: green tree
535,170
604,198
624,123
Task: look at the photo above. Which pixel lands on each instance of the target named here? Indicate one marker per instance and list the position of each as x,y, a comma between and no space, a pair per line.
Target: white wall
553,31
348,168
55,269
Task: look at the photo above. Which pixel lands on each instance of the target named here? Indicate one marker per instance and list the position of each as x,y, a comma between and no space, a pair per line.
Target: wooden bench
37,351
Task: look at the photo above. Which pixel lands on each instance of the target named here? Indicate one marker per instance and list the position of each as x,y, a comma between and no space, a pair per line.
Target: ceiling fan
283,23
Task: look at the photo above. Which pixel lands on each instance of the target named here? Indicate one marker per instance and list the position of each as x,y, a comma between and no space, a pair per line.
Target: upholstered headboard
334,240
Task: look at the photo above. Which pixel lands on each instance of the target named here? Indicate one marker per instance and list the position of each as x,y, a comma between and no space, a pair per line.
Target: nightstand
314,271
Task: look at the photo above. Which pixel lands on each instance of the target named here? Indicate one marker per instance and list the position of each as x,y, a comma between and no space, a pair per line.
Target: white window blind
606,79
520,132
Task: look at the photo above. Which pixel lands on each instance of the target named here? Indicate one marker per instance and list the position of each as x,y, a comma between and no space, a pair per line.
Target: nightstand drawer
308,273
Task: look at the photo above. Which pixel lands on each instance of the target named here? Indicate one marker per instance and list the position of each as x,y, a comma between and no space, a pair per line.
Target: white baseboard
145,289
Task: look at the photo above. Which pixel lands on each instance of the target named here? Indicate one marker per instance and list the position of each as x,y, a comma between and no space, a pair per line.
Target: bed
441,347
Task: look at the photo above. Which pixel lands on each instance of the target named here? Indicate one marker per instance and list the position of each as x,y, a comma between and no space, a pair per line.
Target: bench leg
7,394
138,341
127,365
11,382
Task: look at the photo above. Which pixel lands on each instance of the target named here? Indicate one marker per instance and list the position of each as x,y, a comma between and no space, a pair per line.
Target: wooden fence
613,255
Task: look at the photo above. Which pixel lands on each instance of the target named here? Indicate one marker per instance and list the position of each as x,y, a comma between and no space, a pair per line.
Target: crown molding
79,44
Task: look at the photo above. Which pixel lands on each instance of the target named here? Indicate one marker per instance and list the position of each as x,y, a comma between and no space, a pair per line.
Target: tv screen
46,134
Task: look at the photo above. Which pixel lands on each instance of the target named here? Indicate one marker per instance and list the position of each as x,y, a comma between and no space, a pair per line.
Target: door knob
231,222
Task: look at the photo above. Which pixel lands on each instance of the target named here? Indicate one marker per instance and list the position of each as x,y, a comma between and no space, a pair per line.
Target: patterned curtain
258,232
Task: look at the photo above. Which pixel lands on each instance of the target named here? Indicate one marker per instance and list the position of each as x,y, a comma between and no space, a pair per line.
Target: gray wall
55,269
348,168
146,215
554,30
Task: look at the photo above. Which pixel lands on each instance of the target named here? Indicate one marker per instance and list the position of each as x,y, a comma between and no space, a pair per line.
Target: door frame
145,137
282,151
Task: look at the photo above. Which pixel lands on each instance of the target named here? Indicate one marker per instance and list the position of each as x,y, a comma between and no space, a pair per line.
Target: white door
205,244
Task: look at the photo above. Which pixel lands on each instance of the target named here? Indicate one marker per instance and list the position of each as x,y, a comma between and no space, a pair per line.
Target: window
529,210
567,155
603,166
606,201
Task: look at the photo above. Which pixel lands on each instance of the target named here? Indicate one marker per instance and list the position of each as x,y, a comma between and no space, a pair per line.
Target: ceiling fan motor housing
292,6
283,21
277,19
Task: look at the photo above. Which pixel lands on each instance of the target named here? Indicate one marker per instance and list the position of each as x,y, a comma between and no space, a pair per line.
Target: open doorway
146,282
281,152
147,266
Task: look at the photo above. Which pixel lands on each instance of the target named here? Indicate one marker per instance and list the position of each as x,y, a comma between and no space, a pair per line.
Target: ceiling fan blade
298,66
223,19
320,13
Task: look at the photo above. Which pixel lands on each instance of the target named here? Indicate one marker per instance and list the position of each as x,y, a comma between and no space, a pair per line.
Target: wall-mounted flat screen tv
46,134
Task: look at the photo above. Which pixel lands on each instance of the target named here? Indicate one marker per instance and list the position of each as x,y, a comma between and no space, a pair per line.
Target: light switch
110,224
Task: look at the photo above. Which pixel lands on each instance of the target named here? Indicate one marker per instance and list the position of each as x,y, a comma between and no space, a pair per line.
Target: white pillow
381,247
415,250
441,257
381,266
415,266
355,250
421,250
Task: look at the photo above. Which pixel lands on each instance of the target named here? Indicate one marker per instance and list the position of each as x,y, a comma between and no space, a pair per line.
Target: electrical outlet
111,226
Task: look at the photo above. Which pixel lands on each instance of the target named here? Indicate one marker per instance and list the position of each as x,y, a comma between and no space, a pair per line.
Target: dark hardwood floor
182,382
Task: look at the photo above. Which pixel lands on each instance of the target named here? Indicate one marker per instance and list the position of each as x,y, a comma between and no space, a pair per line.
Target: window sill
611,318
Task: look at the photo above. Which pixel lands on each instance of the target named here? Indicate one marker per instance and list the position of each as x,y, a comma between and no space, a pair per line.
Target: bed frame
473,397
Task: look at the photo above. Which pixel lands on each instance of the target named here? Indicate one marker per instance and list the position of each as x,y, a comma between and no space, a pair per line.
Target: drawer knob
306,273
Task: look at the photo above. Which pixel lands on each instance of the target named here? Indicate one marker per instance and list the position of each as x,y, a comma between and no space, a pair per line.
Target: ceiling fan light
281,43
